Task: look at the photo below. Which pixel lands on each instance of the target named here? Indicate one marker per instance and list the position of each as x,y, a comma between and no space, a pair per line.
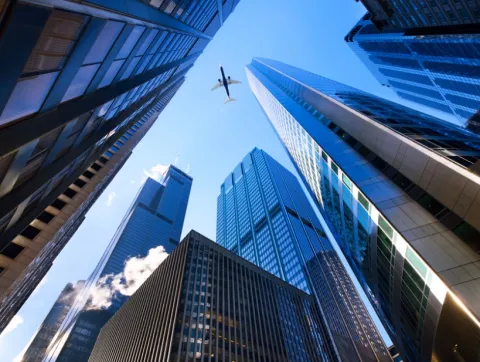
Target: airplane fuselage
224,81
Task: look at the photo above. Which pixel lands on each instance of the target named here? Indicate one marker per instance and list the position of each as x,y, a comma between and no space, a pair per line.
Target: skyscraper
52,322
50,228
154,219
205,303
264,216
403,210
77,77
442,14
440,70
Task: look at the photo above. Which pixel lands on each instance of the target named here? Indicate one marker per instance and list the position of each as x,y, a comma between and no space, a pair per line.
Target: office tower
54,227
264,216
404,211
205,303
154,219
437,70
51,324
443,14
90,71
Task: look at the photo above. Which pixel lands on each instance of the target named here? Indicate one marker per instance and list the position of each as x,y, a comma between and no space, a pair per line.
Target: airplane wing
218,85
231,81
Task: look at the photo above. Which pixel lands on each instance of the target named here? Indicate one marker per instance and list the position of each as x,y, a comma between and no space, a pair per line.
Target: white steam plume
136,271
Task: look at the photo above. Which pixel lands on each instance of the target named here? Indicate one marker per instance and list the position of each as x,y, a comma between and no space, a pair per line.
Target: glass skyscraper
52,322
437,70
154,219
402,208
204,303
442,14
264,216
76,77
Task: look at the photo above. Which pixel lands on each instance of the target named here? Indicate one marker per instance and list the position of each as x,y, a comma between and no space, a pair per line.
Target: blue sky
206,135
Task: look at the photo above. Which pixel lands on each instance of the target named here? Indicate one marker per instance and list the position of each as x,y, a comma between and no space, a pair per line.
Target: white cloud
111,196
136,271
132,181
156,172
14,323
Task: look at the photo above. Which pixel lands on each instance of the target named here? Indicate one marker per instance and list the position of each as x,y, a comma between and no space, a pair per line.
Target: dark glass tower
77,77
439,14
155,219
403,210
264,216
441,71
50,228
204,303
51,324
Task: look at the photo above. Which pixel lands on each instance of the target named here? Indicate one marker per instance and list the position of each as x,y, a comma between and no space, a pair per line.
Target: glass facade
388,200
90,74
51,324
437,71
418,14
264,216
155,218
213,306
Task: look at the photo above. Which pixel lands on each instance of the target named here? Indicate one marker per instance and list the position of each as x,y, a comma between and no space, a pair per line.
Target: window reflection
80,82
104,42
130,42
111,73
28,96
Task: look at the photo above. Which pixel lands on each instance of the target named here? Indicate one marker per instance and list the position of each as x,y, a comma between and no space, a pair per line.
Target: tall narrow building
264,216
52,322
437,69
76,76
204,303
403,204
155,219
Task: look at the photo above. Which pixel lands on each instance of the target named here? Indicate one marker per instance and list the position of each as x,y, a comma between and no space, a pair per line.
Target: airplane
225,82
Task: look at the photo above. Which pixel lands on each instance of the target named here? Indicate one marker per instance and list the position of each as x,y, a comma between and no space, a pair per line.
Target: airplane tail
229,99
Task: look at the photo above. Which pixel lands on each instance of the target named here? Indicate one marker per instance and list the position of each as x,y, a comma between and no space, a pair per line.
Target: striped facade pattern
206,304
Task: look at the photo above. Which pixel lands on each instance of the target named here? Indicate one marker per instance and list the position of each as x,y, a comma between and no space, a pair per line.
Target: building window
12,250
103,160
56,41
426,102
104,42
88,174
447,49
45,217
79,183
80,82
111,73
417,78
96,167
34,88
462,101
70,193
130,68
130,42
58,204
30,232
416,89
